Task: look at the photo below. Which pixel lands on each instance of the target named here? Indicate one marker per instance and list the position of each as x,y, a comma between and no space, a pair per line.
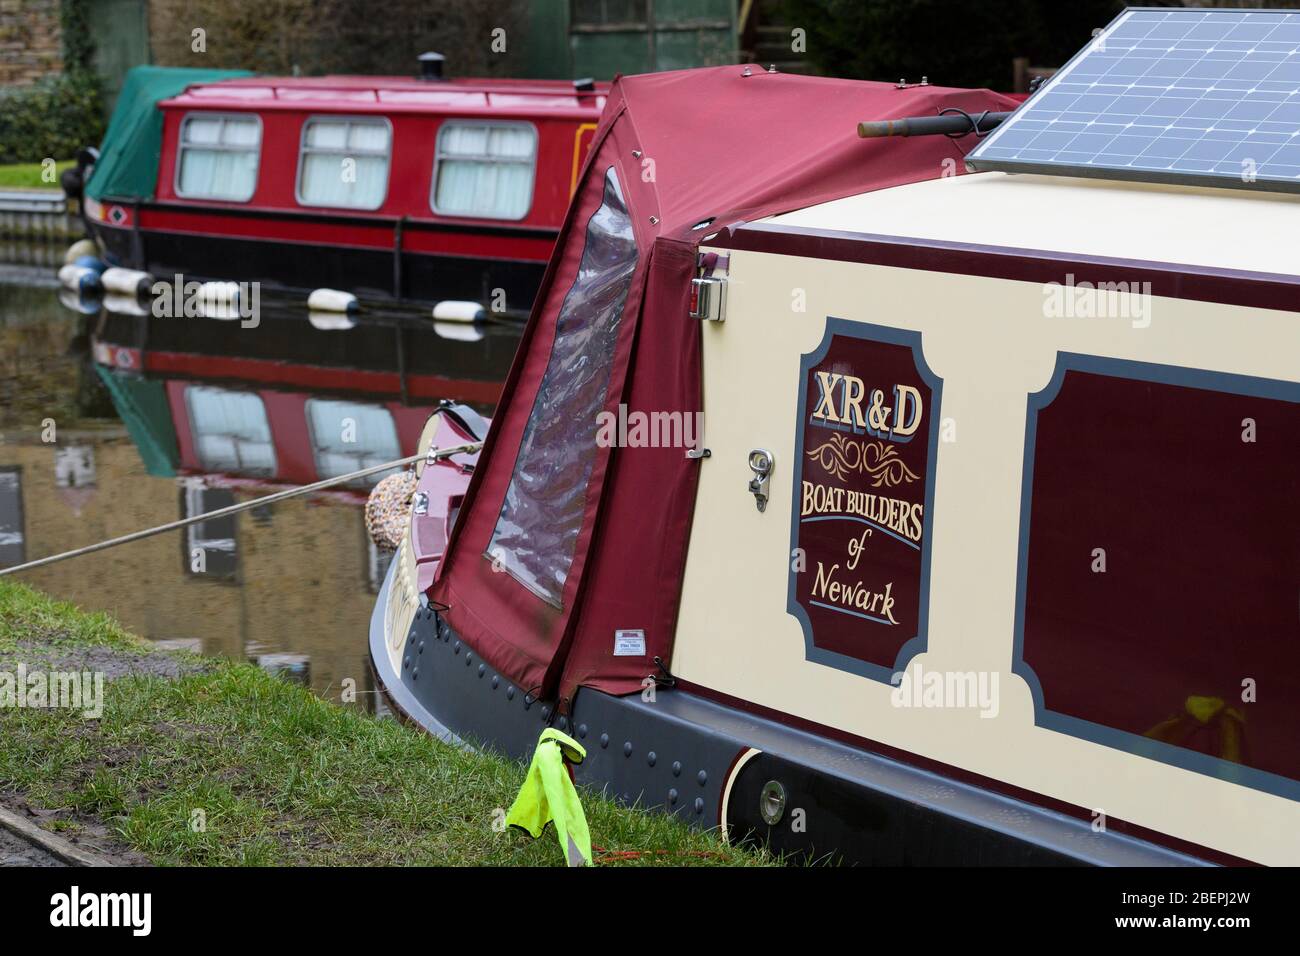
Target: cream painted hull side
990,343
404,595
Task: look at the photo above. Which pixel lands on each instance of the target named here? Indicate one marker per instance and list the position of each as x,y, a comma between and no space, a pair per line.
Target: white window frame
181,147
438,158
345,152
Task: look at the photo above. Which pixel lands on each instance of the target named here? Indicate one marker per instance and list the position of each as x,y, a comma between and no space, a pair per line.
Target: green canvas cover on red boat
128,157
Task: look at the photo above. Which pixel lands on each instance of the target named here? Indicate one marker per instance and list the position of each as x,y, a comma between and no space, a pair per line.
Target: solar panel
1209,97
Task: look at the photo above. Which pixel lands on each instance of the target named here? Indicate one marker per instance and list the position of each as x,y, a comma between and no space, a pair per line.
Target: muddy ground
109,661
15,851
78,829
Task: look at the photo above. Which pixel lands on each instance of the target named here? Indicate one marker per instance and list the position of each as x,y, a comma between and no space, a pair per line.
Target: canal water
113,420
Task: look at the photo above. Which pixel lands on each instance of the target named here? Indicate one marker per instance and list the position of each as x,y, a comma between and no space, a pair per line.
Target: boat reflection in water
216,414
298,398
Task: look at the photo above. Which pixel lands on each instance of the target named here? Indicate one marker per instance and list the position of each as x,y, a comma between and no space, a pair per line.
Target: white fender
79,278
331,300
454,310
126,281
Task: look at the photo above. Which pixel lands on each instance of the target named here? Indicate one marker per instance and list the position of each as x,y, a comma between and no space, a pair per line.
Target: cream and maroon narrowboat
897,515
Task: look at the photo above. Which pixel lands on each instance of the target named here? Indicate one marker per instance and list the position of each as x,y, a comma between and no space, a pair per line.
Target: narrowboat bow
987,551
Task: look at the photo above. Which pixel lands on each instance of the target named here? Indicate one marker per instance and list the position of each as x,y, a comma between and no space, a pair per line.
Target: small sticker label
629,643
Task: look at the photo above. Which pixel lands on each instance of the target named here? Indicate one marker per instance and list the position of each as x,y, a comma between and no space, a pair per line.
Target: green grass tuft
28,615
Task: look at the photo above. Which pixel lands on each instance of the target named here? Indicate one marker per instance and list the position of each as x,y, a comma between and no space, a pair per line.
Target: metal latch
760,463
709,299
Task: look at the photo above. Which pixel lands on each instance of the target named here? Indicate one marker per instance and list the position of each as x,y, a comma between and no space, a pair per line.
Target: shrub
53,117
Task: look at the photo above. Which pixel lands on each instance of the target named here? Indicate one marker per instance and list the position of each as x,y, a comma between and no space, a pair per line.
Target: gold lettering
826,404
854,391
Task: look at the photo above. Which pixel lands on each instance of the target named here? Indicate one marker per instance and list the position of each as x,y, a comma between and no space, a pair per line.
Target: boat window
231,431
218,157
344,162
537,531
484,169
349,436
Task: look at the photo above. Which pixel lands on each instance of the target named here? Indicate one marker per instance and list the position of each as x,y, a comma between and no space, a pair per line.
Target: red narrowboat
425,189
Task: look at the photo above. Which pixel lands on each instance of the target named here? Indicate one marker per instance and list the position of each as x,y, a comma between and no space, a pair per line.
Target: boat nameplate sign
863,487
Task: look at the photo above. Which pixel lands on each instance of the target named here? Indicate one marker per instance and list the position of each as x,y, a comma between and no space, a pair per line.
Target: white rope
434,454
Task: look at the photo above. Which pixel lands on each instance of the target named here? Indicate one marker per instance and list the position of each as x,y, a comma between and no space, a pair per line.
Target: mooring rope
433,454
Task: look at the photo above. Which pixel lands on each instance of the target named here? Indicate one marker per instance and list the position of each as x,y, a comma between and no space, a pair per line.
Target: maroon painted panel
859,528
1198,526
1263,290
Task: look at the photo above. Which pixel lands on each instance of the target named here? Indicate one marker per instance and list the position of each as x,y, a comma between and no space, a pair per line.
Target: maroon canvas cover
730,144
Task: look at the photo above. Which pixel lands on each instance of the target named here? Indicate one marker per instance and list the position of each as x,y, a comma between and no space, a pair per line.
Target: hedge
53,117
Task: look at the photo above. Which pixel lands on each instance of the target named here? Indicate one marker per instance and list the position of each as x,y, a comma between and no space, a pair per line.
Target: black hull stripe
419,276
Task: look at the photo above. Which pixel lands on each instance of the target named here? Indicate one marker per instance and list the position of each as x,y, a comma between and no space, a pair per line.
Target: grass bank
275,774
28,175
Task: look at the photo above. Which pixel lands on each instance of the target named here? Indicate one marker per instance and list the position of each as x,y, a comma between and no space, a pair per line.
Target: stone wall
31,43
